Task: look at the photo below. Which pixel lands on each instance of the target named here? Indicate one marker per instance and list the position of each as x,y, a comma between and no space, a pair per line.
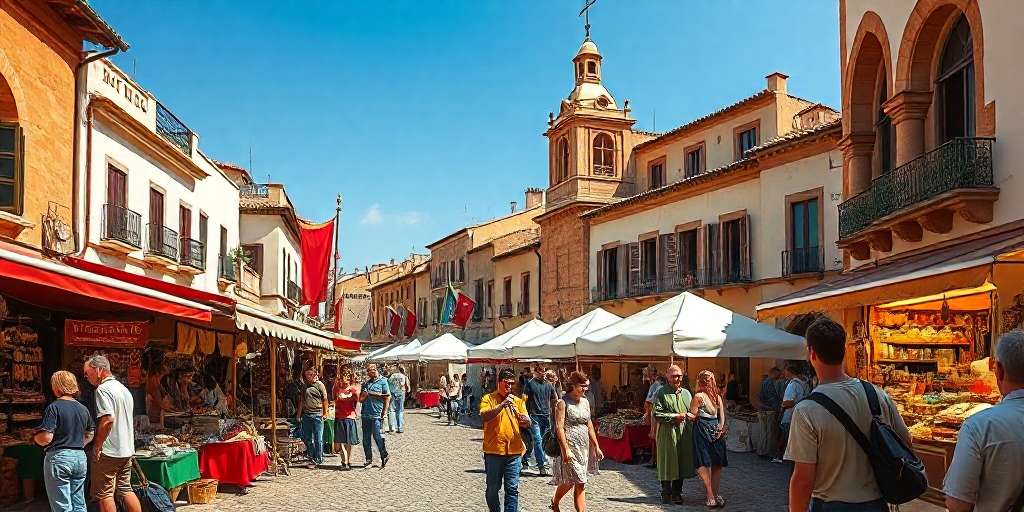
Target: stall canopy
443,348
500,348
690,326
393,353
380,350
256,321
560,342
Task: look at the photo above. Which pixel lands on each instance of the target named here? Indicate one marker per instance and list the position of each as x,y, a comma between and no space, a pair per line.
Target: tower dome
589,92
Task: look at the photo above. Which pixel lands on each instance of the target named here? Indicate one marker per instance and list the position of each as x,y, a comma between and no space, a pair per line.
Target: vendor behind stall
212,396
182,391
157,401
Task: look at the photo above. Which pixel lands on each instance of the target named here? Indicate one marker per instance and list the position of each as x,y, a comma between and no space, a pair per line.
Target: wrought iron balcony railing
803,260
226,268
193,253
961,163
670,282
254,190
121,224
294,292
504,310
162,241
173,130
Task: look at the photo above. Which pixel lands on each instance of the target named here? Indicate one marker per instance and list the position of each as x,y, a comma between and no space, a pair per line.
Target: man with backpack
832,470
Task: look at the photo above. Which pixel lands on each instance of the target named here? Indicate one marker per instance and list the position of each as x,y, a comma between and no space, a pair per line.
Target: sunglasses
675,376
509,382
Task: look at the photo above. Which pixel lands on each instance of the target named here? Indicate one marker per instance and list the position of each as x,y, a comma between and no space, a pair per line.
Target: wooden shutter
203,228
622,269
744,226
116,190
668,264
156,209
634,266
601,288
713,253
184,222
223,241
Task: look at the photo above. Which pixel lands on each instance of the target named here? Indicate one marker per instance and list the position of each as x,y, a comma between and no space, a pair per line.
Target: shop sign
90,333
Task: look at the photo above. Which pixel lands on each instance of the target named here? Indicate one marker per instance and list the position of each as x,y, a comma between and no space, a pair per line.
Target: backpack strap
869,390
843,419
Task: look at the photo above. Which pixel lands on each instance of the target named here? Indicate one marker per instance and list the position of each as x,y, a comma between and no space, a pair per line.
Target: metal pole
334,268
273,396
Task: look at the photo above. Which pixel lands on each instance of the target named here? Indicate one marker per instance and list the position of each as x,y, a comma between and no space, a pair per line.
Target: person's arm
721,416
661,412
521,415
489,410
789,396
963,478
801,484
103,426
43,437
387,406
88,435
559,426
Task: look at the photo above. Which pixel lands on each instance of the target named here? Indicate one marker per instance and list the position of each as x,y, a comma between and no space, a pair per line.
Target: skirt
345,431
708,451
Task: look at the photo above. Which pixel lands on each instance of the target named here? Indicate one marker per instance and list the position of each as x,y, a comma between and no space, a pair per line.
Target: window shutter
622,268
634,266
745,269
599,294
668,269
713,253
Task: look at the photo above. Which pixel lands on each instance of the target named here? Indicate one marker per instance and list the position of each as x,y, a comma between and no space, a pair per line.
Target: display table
30,460
173,471
428,399
742,437
634,437
234,463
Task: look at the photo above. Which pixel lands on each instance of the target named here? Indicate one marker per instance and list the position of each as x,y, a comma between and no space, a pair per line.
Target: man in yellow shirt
504,414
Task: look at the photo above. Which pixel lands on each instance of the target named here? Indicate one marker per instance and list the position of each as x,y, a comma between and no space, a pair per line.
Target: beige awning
259,322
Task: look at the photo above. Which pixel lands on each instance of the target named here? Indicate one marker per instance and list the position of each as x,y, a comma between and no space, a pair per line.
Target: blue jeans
371,429
539,424
818,505
64,476
313,436
396,413
502,469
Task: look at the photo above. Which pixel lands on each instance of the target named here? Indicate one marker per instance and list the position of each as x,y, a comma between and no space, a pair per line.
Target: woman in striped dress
578,441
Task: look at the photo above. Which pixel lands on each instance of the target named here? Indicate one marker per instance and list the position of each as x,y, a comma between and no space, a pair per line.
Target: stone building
397,291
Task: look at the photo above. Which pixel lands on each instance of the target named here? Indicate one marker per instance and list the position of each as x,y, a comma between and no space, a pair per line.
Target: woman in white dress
578,442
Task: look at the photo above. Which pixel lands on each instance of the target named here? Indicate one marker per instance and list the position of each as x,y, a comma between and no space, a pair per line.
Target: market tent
389,354
500,348
365,357
392,355
560,342
443,348
260,322
690,326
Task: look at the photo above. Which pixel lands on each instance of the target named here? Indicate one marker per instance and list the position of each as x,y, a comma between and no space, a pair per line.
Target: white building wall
271,232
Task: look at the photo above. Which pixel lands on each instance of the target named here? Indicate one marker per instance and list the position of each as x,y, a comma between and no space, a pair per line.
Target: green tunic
674,440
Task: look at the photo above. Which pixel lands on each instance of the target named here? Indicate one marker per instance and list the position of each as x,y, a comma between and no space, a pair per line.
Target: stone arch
870,50
10,91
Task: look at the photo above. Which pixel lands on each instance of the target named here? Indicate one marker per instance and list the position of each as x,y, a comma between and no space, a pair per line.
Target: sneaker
543,472
384,461
367,464
776,461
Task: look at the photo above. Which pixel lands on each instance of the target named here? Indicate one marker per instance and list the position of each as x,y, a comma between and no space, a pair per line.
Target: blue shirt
373,406
68,421
769,396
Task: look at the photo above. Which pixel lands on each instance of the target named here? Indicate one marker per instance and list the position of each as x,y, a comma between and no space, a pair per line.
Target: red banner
317,241
89,333
410,323
463,310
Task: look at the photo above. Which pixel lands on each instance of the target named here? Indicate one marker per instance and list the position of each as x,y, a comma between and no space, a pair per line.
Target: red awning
61,287
176,290
346,343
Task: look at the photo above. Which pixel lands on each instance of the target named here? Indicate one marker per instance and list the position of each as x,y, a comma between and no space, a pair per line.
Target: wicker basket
202,491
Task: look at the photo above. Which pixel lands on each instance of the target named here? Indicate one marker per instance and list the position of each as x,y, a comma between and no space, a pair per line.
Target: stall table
634,437
171,472
232,463
30,460
429,399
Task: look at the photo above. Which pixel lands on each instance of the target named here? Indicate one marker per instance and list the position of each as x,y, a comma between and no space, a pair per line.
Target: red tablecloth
429,399
621,450
232,463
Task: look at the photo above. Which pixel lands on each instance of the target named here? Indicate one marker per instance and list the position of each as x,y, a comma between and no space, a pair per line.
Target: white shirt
114,400
398,383
796,390
989,458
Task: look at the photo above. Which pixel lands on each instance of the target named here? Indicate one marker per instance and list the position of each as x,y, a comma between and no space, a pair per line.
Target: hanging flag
337,314
410,323
401,319
317,243
394,321
448,308
463,310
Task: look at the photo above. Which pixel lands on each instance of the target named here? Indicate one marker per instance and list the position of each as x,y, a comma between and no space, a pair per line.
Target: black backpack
899,473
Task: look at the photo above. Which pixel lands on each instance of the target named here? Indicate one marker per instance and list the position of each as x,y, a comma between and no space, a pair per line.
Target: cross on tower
585,12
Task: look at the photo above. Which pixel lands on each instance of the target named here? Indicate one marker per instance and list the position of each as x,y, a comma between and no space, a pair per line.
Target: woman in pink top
346,396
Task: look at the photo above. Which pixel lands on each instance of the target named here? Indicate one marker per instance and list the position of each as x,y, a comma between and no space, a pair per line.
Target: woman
708,412
454,399
732,390
467,395
65,430
157,400
213,396
578,442
346,396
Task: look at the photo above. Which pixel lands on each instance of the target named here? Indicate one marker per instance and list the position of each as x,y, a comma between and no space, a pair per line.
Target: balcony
805,260
193,255
671,283
173,130
922,194
523,309
505,311
294,292
226,269
254,190
122,227
440,282
248,282
161,244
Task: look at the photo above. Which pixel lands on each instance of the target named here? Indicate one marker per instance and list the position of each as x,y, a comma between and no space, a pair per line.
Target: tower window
591,68
956,83
562,165
604,155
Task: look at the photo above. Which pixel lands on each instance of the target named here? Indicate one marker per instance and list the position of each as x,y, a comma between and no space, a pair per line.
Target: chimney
534,197
777,82
513,205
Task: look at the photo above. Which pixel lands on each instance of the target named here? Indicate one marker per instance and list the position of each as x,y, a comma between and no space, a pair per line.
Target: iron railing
121,224
670,282
162,241
438,282
961,163
294,292
803,260
523,308
173,130
193,253
504,310
226,268
254,190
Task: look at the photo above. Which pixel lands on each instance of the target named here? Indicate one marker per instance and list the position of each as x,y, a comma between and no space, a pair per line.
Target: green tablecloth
171,472
30,460
328,435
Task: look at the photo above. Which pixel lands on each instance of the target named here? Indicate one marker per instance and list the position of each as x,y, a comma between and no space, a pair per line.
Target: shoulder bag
549,443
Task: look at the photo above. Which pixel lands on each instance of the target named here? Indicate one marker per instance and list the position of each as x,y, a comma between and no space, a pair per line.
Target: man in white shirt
985,474
114,444
831,472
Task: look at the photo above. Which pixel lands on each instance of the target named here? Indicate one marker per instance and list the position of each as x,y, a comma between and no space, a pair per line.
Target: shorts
345,431
109,476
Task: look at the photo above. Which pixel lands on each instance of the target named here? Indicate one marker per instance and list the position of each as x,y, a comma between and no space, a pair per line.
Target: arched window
955,84
563,160
884,133
12,152
604,155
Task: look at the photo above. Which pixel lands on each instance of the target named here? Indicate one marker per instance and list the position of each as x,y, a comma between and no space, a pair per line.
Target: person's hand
524,420
96,450
509,401
650,433
598,453
567,457
691,416
679,418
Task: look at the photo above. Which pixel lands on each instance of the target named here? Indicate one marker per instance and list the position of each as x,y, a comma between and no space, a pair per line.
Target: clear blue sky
428,115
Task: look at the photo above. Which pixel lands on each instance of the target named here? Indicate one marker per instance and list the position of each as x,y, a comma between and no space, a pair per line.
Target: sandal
554,505
711,503
720,501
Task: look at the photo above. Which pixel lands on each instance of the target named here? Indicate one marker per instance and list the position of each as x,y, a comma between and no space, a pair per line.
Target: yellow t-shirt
501,434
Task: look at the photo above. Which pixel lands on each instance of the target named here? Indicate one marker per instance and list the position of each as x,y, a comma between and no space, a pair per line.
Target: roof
809,108
418,269
750,158
84,18
516,242
479,224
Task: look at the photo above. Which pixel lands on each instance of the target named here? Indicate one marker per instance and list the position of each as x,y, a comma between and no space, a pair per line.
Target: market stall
560,342
500,347
623,433
435,358
171,471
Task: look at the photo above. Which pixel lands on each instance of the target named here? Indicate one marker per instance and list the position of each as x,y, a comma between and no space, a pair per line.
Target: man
796,390
595,394
399,385
376,398
503,414
114,444
312,408
674,436
656,383
831,471
539,395
768,416
988,462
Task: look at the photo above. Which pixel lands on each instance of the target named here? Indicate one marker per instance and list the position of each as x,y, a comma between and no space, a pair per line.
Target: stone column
857,150
908,110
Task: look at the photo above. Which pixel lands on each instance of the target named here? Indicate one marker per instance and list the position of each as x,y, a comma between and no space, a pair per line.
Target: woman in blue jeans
65,430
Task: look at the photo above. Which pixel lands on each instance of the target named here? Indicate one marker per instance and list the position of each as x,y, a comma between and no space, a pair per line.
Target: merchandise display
21,379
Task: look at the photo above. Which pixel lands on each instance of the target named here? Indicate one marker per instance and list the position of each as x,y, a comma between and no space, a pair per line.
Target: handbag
549,443
152,497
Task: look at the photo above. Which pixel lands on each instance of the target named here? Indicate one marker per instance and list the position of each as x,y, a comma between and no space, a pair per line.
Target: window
648,261
254,255
562,161
223,242
184,222
688,250
478,293
733,254
506,303
804,237
956,84
611,272
591,68
746,138
451,270
462,270
12,167
604,155
156,219
524,293
490,299
657,175
884,131
203,228
117,189
694,160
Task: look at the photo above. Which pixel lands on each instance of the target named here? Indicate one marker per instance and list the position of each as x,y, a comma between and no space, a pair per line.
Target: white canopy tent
443,348
392,353
366,357
690,326
560,342
501,346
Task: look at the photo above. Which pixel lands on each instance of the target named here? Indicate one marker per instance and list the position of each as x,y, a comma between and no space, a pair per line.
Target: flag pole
334,268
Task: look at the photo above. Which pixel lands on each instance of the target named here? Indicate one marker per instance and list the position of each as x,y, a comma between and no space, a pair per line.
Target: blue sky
428,115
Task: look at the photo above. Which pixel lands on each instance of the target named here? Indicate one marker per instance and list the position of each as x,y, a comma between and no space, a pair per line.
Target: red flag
317,242
394,319
337,315
463,310
410,322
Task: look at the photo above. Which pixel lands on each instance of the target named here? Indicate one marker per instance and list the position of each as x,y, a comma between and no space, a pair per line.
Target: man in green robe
675,436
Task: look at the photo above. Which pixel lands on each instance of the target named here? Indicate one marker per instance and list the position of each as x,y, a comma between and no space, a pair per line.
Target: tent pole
273,397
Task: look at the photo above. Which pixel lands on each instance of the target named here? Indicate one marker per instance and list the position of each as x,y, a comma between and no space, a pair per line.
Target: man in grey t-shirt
114,444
